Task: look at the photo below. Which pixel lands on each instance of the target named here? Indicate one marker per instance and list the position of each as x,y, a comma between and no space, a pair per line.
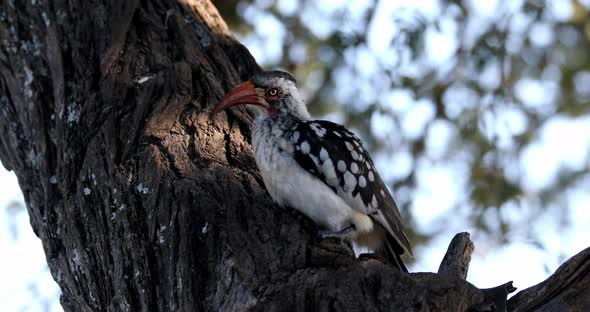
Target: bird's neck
282,117
300,111
268,132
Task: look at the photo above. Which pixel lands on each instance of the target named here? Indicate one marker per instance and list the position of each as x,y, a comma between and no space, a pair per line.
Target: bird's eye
273,92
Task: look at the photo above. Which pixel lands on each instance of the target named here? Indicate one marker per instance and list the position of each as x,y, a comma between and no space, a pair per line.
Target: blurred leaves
463,84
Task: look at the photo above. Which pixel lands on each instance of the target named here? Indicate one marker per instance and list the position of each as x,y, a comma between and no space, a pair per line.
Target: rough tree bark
143,204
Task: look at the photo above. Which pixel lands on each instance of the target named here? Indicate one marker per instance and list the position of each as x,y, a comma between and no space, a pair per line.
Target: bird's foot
371,257
323,234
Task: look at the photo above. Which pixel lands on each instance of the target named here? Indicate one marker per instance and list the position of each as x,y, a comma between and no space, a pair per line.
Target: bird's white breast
290,185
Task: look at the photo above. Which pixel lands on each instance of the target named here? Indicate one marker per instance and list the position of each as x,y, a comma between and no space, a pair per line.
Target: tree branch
456,260
568,289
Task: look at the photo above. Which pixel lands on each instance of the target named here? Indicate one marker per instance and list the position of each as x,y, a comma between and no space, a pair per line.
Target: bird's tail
392,252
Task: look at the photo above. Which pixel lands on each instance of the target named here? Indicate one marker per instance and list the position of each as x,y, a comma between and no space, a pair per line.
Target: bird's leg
372,256
337,234
335,242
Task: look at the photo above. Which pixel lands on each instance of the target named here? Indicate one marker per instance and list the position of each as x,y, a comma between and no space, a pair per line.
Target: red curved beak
243,93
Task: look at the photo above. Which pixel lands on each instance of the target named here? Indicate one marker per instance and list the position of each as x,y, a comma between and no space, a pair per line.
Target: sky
26,284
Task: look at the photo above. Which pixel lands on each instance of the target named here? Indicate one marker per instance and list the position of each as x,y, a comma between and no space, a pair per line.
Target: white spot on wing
354,155
319,130
332,181
328,169
341,166
305,148
349,182
371,176
324,154
330,173
354,168
363,182
349,146
295,137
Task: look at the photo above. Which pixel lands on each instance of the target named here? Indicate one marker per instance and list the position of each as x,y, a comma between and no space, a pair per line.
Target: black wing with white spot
337,157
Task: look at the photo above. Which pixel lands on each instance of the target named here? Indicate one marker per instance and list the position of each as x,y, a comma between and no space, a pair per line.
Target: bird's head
272,92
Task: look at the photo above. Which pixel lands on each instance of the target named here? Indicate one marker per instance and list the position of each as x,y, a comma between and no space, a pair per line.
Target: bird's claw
337,234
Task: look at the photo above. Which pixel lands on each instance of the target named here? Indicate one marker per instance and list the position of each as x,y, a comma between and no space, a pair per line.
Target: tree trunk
141,202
